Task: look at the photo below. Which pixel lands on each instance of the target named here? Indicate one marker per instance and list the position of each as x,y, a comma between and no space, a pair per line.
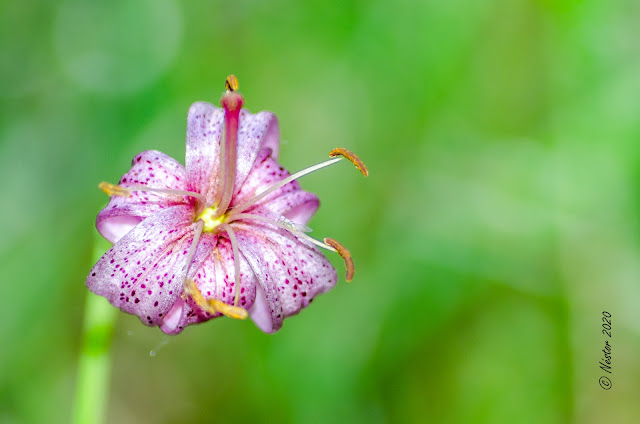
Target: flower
223,235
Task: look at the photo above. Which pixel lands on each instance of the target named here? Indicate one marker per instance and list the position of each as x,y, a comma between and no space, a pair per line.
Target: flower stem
94,363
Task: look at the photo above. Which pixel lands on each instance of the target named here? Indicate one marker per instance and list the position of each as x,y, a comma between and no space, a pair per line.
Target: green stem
94,363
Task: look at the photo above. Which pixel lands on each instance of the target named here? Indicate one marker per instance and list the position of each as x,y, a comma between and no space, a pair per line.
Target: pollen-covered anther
192,291
353,158
230,311
114,190
212,306
231,83
231,101
346,255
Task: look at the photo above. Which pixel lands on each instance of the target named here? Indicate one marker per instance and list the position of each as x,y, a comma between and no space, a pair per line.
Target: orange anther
339,151
346,255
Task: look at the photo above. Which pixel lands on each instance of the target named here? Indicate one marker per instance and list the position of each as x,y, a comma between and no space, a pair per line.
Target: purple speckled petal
176,319
204,132
214,279
141,273
255,133
267,311
290,273
205,124
150,168
289,200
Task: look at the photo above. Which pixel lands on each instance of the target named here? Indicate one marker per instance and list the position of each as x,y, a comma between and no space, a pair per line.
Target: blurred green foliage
502,214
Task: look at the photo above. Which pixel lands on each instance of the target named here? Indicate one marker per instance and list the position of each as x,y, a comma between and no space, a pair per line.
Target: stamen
235,312
232,103
213,306
236,259
116,190
281,222
293,225
256,199
344,252
192,251
329,243
339,151
194,293
338,154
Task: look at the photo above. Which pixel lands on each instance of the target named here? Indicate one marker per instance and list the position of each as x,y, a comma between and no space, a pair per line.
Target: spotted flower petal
289,201
214,279
291,273
204,135
141,273
150,169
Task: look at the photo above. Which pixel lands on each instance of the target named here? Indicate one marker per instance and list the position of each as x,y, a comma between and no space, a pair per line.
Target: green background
501,216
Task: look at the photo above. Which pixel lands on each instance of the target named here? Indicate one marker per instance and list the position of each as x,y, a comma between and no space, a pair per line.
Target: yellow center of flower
211,223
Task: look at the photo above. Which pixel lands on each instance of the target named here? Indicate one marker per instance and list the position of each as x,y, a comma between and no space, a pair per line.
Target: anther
213,306
346,255
232,103
231,83
339,151
114,190
231,311
191,290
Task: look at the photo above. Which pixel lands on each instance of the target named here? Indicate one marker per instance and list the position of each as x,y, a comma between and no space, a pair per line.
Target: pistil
232,104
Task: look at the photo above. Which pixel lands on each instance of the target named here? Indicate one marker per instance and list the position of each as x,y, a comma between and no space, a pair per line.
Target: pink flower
223,235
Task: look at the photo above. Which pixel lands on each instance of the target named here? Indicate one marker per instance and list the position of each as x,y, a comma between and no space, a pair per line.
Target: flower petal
267,311
205,124
204,132
150,168
255,133
215,279
141,274
290,273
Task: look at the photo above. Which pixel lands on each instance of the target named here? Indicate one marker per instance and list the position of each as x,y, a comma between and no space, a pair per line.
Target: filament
192,250
236,258
116,190
309,170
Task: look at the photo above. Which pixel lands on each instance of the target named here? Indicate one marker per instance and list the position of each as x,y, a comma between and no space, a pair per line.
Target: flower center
211,222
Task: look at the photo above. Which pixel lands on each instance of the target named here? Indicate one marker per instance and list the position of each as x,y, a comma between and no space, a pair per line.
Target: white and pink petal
152,169
289,200
141,274
291,273
256,133
215,279
205,124
202,161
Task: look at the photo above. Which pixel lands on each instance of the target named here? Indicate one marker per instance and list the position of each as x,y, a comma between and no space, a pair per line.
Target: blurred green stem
94,363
